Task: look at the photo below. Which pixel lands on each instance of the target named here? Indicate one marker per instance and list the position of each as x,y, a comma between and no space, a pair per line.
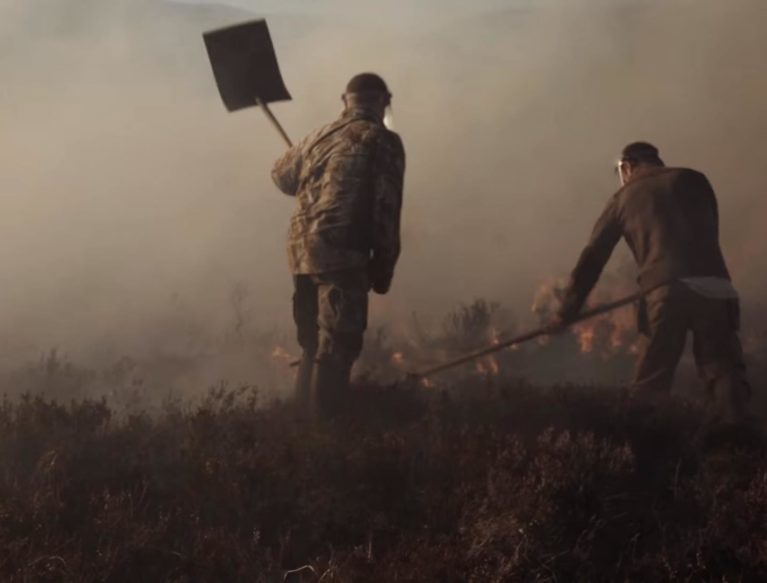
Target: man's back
334,174
669,219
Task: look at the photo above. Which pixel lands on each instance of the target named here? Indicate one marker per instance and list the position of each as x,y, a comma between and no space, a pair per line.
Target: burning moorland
147,429
478,475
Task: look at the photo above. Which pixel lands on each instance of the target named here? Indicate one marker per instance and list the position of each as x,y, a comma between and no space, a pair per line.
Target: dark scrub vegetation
485,482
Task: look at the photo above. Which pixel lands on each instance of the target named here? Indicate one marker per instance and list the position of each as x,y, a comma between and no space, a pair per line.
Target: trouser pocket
343,306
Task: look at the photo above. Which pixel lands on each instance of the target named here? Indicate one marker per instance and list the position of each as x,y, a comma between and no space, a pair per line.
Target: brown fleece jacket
670,221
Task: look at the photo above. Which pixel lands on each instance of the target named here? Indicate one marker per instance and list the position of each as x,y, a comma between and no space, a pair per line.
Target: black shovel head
245,65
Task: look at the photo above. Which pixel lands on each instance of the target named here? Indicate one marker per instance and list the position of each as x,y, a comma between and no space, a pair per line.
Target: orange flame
586,336
279,354
605,336
488,366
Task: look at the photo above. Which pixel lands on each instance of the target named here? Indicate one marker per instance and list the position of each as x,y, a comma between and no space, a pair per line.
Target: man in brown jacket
669,219
344,237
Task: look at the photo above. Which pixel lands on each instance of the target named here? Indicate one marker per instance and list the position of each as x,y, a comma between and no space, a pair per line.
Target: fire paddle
533,334
246,70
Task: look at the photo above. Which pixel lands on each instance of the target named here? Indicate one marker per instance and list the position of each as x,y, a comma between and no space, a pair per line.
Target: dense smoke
137,215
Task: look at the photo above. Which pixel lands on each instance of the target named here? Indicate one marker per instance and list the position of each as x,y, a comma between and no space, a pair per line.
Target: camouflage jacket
347,177
670,221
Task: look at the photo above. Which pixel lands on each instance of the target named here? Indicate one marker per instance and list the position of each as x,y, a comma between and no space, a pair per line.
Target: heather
488,480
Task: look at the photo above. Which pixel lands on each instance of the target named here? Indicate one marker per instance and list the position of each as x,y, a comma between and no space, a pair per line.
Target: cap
367,83
640,152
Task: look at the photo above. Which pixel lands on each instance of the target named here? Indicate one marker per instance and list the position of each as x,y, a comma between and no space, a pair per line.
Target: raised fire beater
347,178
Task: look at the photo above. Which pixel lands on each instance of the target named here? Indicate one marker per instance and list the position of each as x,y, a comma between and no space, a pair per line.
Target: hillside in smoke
118,194
142,262
135,208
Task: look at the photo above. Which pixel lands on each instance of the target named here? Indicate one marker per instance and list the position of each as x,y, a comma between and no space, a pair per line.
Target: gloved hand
558,324
380,277
567,313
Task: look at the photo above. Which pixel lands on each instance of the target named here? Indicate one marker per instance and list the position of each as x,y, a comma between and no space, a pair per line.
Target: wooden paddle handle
275,123
544,331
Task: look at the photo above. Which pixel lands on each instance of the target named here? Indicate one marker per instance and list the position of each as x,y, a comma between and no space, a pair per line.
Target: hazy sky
432,10
131,203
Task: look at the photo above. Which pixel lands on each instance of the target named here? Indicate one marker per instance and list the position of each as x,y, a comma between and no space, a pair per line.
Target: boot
729,424
330,388
728,399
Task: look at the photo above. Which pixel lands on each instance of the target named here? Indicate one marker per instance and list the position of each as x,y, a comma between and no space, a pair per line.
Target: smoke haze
132,204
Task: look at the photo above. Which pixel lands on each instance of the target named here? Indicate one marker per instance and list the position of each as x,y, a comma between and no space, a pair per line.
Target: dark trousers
666,317
330,311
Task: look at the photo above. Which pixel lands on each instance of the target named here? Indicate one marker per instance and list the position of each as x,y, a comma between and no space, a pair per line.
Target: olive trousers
330,311
666,315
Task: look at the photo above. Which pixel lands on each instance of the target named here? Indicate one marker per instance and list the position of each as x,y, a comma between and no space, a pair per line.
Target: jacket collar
361,113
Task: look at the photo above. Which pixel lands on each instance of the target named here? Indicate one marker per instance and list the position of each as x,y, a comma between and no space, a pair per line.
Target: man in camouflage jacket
344,236
670,221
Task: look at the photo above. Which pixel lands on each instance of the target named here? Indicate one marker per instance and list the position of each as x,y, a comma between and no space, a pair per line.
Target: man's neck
363,112
644,170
